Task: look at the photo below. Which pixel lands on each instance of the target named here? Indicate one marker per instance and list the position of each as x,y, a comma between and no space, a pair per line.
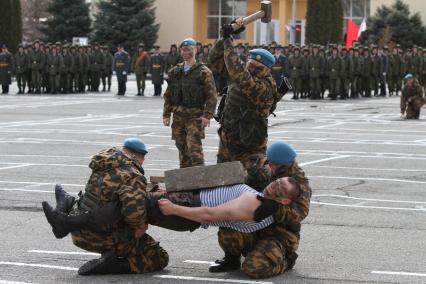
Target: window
356,10
265,33
222,12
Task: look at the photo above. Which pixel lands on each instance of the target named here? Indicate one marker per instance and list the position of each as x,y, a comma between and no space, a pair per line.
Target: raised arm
239,209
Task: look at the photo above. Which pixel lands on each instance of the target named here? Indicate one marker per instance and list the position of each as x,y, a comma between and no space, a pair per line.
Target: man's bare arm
239,209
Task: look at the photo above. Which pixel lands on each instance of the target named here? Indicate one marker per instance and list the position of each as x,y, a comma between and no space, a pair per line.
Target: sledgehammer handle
249,19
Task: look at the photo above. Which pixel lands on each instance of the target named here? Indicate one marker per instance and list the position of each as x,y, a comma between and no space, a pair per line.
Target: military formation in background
316,72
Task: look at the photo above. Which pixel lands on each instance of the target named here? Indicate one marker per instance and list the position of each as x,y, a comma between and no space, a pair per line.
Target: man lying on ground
234,206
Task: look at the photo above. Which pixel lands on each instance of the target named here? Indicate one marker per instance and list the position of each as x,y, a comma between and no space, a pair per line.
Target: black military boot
290,257
64,201
109,263
63,224
228,263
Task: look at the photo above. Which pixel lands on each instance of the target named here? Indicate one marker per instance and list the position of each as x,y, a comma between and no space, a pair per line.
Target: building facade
202,19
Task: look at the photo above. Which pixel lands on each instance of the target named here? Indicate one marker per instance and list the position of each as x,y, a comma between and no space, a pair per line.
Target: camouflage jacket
250,99
412,96
116,177
286,228
198,72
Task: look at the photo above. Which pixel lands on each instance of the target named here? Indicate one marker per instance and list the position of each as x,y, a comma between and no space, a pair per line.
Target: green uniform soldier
335,69
348,74
366,73
191,97
297,70
55,66
45,49
423,73
396,72
84,69
37,60
141,64
157,70
411,98
414,65
67,70
316,65
28,50
323,76
6,69
357,69
107,73
172,58
375,70
89,52
22,64
97,64
75,71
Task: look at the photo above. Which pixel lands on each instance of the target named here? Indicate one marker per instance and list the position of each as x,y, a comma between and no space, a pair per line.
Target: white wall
176,19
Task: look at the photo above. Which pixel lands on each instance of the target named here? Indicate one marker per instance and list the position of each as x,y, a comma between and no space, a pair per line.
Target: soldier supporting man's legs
187,133
144,254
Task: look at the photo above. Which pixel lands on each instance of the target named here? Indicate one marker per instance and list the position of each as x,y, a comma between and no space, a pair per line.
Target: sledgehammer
264,14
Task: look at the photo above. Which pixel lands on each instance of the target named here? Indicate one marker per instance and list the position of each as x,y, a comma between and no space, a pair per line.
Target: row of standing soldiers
345,73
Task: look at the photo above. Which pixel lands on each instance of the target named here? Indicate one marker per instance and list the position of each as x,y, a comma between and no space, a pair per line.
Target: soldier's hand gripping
166,121
205,122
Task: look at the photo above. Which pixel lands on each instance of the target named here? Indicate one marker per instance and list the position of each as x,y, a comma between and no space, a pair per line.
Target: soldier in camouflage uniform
412,98
22,64
37,60
251,98
54,67
141,63
191,97
117,175
272,250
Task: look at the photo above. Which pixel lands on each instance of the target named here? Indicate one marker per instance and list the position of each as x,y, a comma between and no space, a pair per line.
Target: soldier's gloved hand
267,208
240,24
227,31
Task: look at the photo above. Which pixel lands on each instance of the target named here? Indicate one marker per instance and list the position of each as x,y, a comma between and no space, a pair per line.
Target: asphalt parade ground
366,165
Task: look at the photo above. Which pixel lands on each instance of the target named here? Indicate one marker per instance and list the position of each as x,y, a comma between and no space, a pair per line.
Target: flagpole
293,24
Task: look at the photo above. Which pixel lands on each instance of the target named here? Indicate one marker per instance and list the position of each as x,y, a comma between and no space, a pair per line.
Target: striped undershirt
212,197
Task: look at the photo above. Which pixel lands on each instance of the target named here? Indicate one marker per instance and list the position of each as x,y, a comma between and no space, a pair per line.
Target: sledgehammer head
266,7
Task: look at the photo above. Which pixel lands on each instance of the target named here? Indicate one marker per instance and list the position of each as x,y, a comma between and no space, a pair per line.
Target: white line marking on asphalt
13,282
199,262
368,199
367,178
192,278
63,252
370,169
399,273
324,160
16,166
38,265
329,125
369,207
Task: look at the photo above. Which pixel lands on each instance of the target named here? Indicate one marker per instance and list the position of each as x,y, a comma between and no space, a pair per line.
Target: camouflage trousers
188,133
264,255
412,109
144,254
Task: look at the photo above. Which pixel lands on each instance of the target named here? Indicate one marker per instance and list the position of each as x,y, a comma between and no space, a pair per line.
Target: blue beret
188,41
263,56
280,153
408,76
136,145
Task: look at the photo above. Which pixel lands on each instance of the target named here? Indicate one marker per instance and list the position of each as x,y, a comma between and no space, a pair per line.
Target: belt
4,64
156,66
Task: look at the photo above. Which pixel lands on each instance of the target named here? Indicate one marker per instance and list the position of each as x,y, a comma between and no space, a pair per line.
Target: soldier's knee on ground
153,258
233,242
265,260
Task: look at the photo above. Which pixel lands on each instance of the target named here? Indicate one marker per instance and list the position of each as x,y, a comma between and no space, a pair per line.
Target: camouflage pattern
265,250
249,102
412,100
115,177
187,130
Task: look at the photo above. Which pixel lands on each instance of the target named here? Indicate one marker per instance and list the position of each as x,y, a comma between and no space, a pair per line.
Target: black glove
227,31
240,30
267,208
